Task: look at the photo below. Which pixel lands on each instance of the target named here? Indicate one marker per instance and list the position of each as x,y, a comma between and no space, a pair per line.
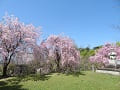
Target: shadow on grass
77,74
13,87
3,77
36,77
11,84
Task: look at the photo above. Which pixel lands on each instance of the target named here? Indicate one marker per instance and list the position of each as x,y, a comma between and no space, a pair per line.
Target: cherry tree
15,37
41,54
102,54
63,50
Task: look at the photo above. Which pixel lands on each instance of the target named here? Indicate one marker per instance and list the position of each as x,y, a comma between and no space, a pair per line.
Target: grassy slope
85,81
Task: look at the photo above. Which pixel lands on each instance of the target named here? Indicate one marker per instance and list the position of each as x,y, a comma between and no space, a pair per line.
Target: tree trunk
58,67
58,63
58,57
5,71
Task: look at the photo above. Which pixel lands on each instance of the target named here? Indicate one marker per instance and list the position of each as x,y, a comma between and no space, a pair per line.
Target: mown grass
56,81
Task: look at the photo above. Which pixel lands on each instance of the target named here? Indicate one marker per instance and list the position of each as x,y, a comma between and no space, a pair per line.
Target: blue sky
87,22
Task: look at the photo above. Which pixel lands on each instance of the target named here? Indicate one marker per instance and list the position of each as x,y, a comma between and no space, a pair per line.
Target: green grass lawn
84,81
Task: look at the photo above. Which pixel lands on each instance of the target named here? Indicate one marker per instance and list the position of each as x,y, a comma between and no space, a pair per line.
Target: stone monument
113,60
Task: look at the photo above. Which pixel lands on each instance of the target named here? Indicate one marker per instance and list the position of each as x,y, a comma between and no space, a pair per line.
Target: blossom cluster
102,54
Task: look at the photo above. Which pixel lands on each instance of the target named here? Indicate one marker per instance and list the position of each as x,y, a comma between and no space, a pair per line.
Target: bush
10,70
0,69
22,70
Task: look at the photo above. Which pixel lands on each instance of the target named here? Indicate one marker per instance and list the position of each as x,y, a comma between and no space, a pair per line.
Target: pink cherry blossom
102,54
14,37
62,49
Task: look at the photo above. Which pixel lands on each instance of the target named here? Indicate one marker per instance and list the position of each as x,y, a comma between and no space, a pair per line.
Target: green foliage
97,47
11,68
85,53
0,69
20,70
118,43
